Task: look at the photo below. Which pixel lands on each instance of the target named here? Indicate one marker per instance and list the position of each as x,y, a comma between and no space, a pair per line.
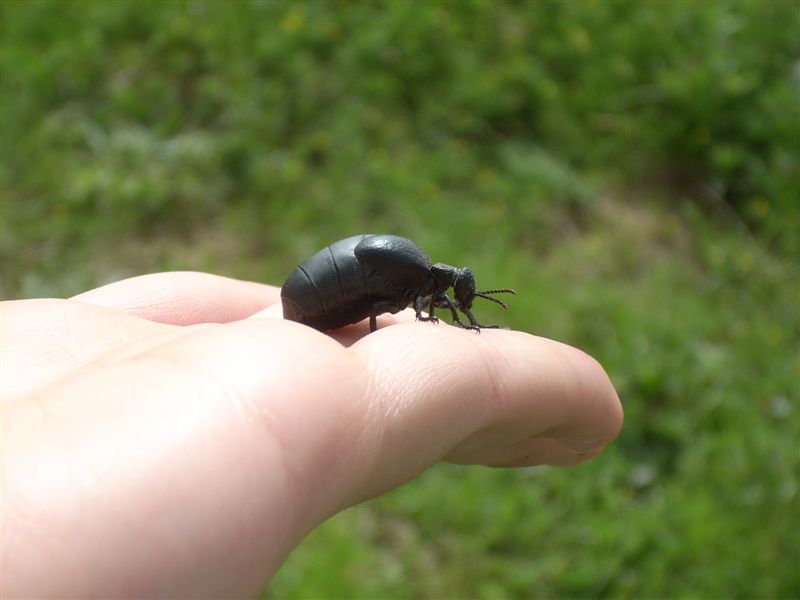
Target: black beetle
367,275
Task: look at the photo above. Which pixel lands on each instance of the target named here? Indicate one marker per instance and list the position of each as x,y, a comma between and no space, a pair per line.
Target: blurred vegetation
632,169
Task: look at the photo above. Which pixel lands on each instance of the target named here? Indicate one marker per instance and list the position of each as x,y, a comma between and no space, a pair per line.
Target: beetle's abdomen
329,289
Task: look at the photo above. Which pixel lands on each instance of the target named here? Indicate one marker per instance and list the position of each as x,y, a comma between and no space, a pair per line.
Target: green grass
632,170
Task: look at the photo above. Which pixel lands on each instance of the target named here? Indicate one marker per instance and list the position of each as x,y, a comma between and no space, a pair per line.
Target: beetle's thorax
444,276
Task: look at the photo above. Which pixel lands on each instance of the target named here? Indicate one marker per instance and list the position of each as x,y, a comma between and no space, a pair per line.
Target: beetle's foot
465,326
477,327
433,320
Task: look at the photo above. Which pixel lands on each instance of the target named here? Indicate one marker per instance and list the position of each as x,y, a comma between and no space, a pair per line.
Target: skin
172,435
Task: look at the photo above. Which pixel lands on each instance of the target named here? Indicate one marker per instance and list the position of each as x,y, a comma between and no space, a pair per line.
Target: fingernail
580,446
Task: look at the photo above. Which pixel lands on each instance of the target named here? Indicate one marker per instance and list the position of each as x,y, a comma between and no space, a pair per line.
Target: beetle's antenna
485,295
498,291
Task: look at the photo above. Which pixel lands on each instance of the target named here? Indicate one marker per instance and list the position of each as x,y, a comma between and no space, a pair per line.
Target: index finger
494,398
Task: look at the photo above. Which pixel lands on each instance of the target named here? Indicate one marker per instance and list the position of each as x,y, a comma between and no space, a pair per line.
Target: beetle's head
463,283
464,287
465,291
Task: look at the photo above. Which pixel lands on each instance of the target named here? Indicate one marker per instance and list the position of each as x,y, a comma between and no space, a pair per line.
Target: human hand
171,435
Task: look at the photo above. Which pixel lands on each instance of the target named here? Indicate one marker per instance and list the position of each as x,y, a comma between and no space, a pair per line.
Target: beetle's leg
445,301
378,309
474,323
419,302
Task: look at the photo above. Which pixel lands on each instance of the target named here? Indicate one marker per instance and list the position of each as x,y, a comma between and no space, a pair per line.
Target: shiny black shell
355,278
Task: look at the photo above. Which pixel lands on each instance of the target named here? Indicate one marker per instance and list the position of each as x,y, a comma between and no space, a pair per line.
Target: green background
631,169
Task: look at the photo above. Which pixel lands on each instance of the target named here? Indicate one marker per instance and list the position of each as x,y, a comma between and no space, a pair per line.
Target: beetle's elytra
367,275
